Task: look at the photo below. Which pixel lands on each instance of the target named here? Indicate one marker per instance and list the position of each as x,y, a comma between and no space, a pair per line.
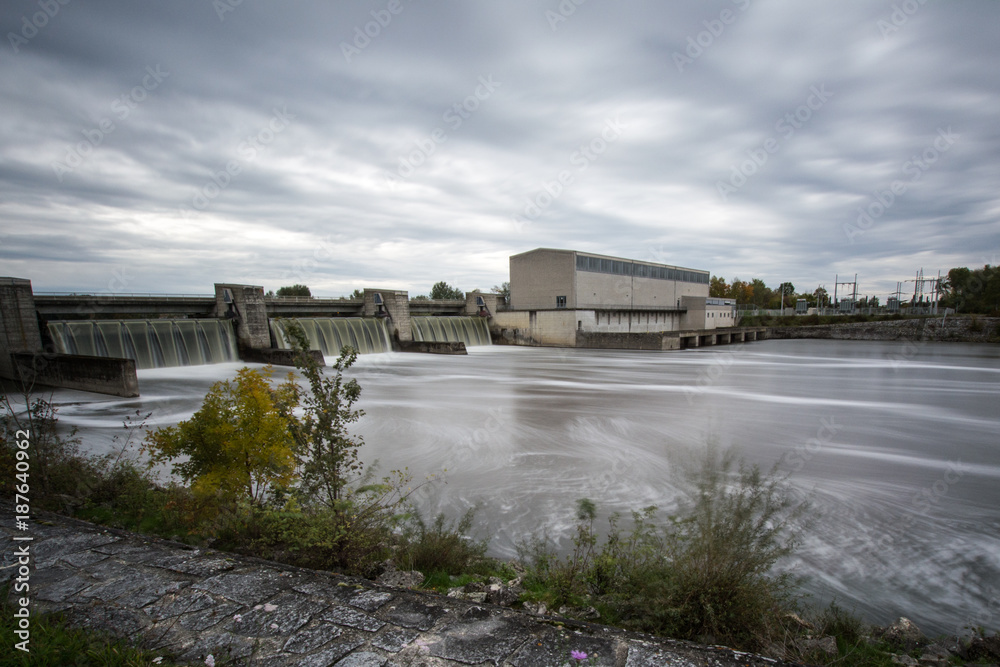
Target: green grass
54,644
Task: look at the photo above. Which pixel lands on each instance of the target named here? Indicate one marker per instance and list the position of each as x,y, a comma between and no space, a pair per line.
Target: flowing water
151,343
895,443
468,330
367,335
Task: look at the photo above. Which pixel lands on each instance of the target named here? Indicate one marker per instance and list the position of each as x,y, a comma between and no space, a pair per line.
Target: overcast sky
163,147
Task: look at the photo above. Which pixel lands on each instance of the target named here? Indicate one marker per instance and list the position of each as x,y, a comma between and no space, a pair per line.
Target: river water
895,444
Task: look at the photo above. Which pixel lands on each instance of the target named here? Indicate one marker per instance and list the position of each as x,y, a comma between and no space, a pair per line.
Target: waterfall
468,330
151,343
367,335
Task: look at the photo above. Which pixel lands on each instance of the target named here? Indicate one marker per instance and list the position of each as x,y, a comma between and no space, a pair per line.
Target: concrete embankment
196,602
932,329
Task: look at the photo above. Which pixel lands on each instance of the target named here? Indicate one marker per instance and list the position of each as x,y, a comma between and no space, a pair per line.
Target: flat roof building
581,299
546,278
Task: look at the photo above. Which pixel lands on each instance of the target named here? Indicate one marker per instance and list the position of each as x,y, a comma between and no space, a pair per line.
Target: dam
559,298
97,342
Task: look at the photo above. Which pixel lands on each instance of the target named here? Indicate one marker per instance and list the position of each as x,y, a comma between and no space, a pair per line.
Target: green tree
237,445
357,294
786,294
972,290
330,453
717,287
294,290
821,297
761,293
443,290
740,290
503,289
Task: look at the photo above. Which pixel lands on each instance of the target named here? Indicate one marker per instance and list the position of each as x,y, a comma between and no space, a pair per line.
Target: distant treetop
294,290
443,290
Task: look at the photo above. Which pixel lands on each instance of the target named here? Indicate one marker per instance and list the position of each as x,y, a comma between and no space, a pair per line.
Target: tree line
963,289
757,293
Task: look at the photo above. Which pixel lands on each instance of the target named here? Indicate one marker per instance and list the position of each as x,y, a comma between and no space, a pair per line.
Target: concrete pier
18,323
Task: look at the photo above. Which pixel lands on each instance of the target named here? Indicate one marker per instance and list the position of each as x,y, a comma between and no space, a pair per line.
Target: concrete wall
603,290
278,357
703,315
433,347
628,321
470,302
18,323
535,327
249,311
102,375
397,304
538,276
626,341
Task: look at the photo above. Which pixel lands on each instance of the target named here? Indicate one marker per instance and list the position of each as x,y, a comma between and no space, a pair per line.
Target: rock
798,622
501,595
903,632
983,648
903,660
462,594
935,655
536,608
474,587
827,646
588,613
398,579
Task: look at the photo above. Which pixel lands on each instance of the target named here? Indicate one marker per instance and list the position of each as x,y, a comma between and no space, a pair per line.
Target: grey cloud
654,191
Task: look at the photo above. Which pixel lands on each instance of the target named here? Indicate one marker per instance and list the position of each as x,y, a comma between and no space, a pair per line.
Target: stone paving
191,603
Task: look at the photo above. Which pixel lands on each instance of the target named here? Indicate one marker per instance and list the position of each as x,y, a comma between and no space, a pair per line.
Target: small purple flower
578,655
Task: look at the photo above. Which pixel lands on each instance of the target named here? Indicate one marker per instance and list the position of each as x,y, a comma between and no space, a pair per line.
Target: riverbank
192,603
960,329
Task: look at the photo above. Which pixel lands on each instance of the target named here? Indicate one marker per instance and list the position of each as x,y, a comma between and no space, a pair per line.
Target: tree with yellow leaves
238,444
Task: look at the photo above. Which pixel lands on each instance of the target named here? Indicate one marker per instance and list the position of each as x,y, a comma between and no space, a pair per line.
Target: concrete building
560,296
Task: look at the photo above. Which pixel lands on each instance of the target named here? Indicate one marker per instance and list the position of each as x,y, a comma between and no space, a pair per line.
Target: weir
367,335
468,330
150,343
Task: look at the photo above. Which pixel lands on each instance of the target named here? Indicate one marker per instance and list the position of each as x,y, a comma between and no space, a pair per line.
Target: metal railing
124,295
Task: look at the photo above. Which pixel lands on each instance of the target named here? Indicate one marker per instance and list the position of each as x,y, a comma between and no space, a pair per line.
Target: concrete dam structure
559,298
98,342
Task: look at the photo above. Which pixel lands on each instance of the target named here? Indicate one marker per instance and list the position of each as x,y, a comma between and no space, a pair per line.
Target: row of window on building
621,268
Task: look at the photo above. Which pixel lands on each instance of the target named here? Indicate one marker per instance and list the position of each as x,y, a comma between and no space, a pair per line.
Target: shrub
706,575
330,453
237,445
442,546
57,468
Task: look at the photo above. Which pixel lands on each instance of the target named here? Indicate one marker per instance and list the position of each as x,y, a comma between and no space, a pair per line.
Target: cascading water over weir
367,335
151,343
468,330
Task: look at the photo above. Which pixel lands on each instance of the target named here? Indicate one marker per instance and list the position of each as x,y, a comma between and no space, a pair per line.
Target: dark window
560,302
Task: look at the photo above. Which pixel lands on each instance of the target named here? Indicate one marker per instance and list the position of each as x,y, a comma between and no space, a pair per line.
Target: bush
237,446
329,452
442,547
706,575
